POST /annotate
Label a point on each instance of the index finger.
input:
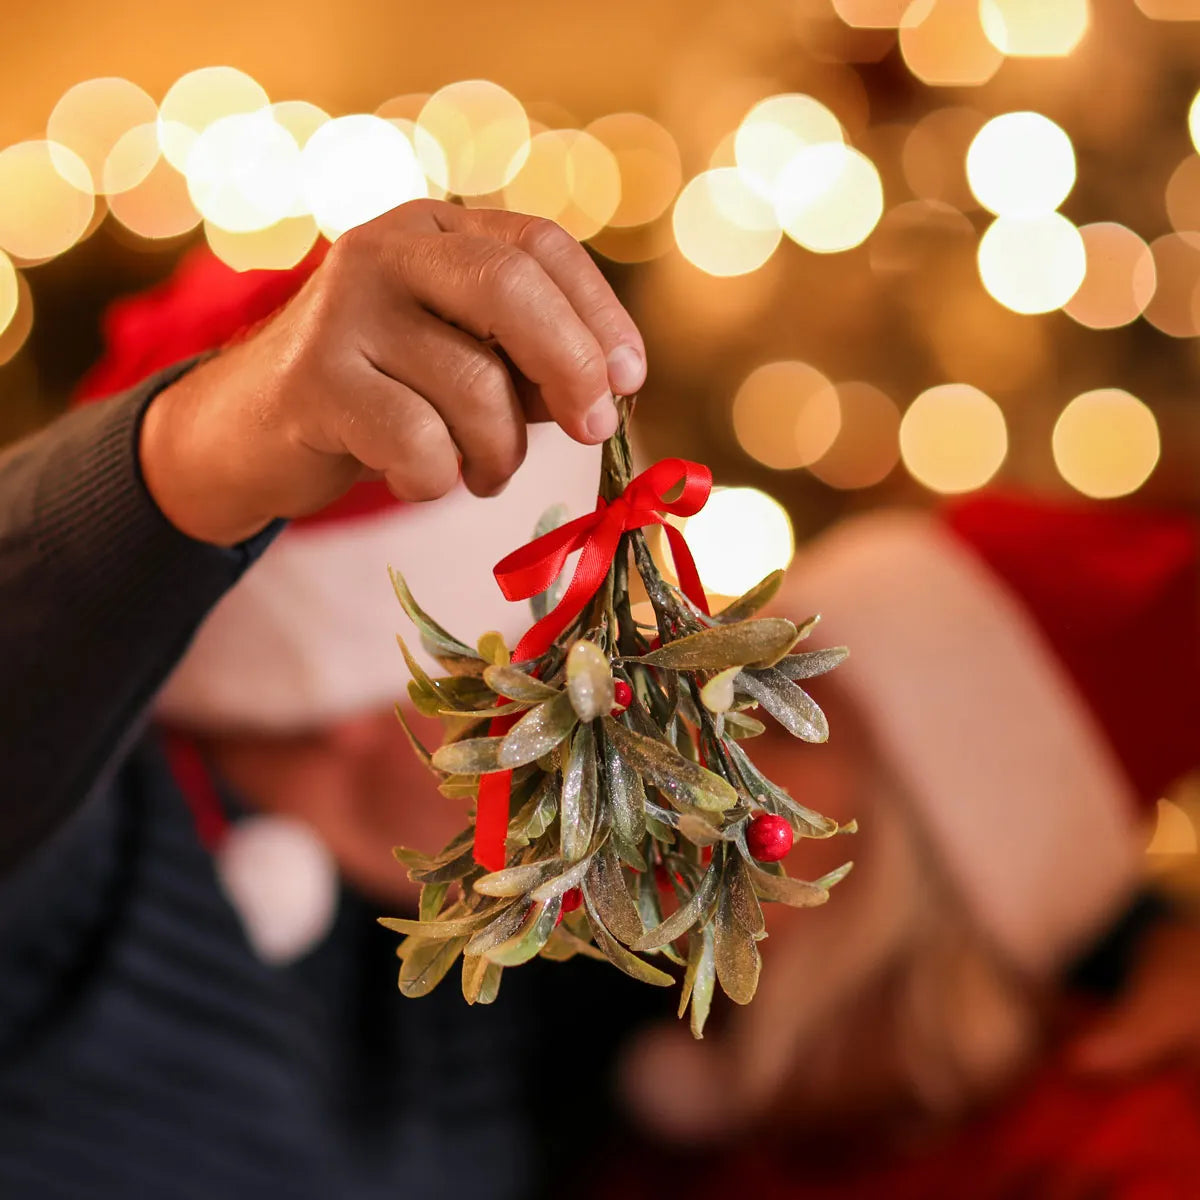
(572, 270)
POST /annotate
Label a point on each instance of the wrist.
(191, 465)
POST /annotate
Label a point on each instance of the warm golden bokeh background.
(836, 272)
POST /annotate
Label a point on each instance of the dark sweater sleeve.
(99, 597)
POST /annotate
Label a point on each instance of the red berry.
(769, 838)
(623, 695)
(572, 899)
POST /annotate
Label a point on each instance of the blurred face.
(875, 1011)
(357, 782)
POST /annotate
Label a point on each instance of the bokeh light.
(944, 45)
(648, 162)
(1183, 195)
(1174, 832)
(20, 324)
(243, 172)
(953, 438)
(739, 536)
(483, 132)
(830, 198)
(158, 205)
(1120, 277)
(1194, 120)
(935, 155)
(871, 14)
(1032, 265)
(774, 131)
(196, 100)
(1021, 164)
(867, 445)
(1034, 28)
(1174, 307)
(786, 415)
(133, 156)
(570, 177)
(9, 291)
(722, 226)
(1106, 443)
(356, 168)
(300, 118)
(275, 248)
(92, 117)
(46, 200)
(1170, 10)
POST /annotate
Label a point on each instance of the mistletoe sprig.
(640, 831)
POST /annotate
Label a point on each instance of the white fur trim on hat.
(1015, 784)
(308, 635)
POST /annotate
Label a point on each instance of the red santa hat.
(1028, 672)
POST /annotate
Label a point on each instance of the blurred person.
(192, 1002)
(1022, 683)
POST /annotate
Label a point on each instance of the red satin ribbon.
(535, 566)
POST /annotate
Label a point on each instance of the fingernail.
(626, 370)
(601, 419)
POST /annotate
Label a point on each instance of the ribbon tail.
(685, 568)
(491, 819)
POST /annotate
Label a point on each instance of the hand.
(430, 334)
(1157, 1019)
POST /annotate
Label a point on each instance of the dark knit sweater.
(144, 1050)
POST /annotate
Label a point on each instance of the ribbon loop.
(532, 568)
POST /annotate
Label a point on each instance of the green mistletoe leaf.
(433, 637)
(425, 964)
(675, 776)
(735, 953)
(472, 756)
(589, 680)
(626, 796)
(531, 937)
(511, 919)
(517, 685)
(685, 916)
(604, 885)
(789, 704)
(619, 956)
(538, 731)
(480, 980)
(747, 604)
(761, 640)
(519, 880)
(811, 663)
(577, 807)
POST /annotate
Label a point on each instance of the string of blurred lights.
(265, 180)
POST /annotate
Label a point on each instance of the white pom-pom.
(282, 882)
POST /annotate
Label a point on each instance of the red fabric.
(1058, 1139)
(1116, 591)
(534, 567)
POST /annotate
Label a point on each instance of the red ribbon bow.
(535, 566)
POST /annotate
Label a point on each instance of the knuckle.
(483, 383)
(543, 237)
(506, 272)
(585, 362)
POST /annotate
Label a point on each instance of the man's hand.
(429, 335)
